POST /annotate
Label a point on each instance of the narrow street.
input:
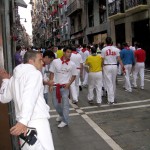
(122, 126)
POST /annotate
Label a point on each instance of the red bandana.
(83, 50)
(64, 61)
(74, 52)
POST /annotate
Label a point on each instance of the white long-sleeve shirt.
(25, 88)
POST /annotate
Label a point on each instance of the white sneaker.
(142, 87)
(62, 124)
(128, 90)
(58, 119)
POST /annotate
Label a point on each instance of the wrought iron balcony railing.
(74, 6)
(115, 7)
(134, 3)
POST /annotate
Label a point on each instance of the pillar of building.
(112, 31)
(128, 31)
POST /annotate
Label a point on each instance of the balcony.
(134, 6)
(73, 7)
(116, 9)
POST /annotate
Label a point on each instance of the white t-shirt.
(63, 72)
(77, 59)
(22, 53)
(84, 55)
(110, 54)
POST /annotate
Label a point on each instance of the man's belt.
(78, 68)
(58, 93)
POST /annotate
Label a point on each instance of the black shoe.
(80, 88)
(111, 103)
(91, 102)
(74, 102)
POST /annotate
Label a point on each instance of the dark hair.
(74, 48)
(84, 45)
(30, 55)
(18, 47)
(109, 40)
(59, 47)
(137, 45)
(96, 45)
(89, 47)
(93, 50)
(66, 48)
(124, 44)
(49, 53)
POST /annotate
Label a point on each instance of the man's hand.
(4, 74)
(67, 86)
(124, 70)
(50, 82)
(18, 129)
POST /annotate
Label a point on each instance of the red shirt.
(140, 55)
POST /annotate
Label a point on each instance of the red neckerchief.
(127, 48)
(74, 52)
(44, 65)
(109, 44)
(64, 61)
(58, 93)
(83, 50)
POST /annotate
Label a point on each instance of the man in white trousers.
(63, 72)
(25, 88)
(127, 56)
(84, 54)
(140, 57)
(74, 87)
(110, 55)
(94, 62)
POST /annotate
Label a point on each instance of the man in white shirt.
(84, 54)
(63, 72)
(74, 88)
(25, 88)
(110, 55)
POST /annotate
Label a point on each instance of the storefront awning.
(21, 3)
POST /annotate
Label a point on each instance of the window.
(79, 23)
(90, 14)
(102, 11)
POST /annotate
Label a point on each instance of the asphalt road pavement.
(125, 125)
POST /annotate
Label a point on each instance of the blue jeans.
(46, 97)
(63, 107)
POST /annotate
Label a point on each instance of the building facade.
(130, 22)
(97, 23)
(77, 13)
